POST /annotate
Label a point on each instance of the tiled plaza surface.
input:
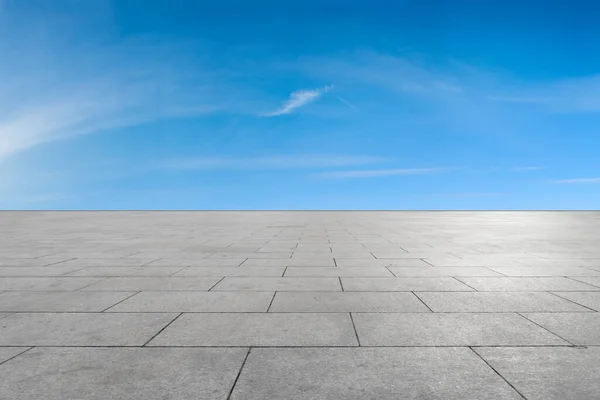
(299, 305)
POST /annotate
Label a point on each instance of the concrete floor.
(299, 305)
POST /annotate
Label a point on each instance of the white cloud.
(578, 180)
(298, 99)
(269, 162)
(380, 172)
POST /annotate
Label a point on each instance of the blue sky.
(426, 104)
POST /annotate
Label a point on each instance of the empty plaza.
(299, 305)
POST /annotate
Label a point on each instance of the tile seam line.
(237, 377)
(574, 302)
(355, 331)
(17, 355)
(497, 373)
(161, 330)
(116, 304)
(543, 327)
(421, 300)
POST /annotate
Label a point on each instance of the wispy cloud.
(298, 99)
(299, 161)
(380, 172)
(578, 180)
(346, 102)
(531, 168)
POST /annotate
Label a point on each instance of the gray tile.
(287, 262)
(135, 284)
(588, 299)
(52, 270)
(577, 328)
(545, 271)
(28, 262)
(346, 302)
(339, 271)
(106, 262)
(97, 374)
(552, 373)
(359, 373)
(442, 284)
(231, 271)
(80, 329)
(60, 301)
(526, 284)
(259, 329)
(45, 283)
(195, 302)
(386, 329)
(126, 271)
(373, 262)
(497, 302)
(278, 284)
(202, 262)
(412, 272)
(6, 353)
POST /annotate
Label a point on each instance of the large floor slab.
(347, 302)
(259, 329)
(81, 329)
(121, 373)
(387, 329)
(497, 302)
(548, 373)
(386, 374)
(60, 301)
(195, 302)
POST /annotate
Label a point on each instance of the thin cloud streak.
(578, 180)
(380, 172)
(298, 99)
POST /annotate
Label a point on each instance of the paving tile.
(278, 284)
(402, 262)
(195, 302)
(231, 271)
(45, 283)
(497, 302)
(588, 299)
(346, 302)
(52, 270)
(28, 262)
(97, 374)
(135, 284)
(408, 272)
(374, 373)
(256, 329)
(339, 271)
(551, 373)
(60, 301)
(202, 262)
(286, 262)
(126, 271)
(526, 284)
(81, 329)
(577, 328)
(387, 329)
(442, 284)
(545, 271)
(106, 262)
(6, 353)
